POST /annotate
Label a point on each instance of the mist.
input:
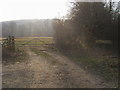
(28, 28)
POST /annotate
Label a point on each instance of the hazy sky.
(32, 9)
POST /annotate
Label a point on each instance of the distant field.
(2, 38)
(33, 41)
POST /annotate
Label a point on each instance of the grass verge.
(104, 66)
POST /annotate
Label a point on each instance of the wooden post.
(9, 43)
(13, 43)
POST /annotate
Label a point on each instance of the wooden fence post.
(9, 43)
(13, 43)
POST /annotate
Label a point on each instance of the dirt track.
(55, 72)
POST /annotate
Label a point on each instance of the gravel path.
(55, 72)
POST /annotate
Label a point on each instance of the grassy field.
(33, 41)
